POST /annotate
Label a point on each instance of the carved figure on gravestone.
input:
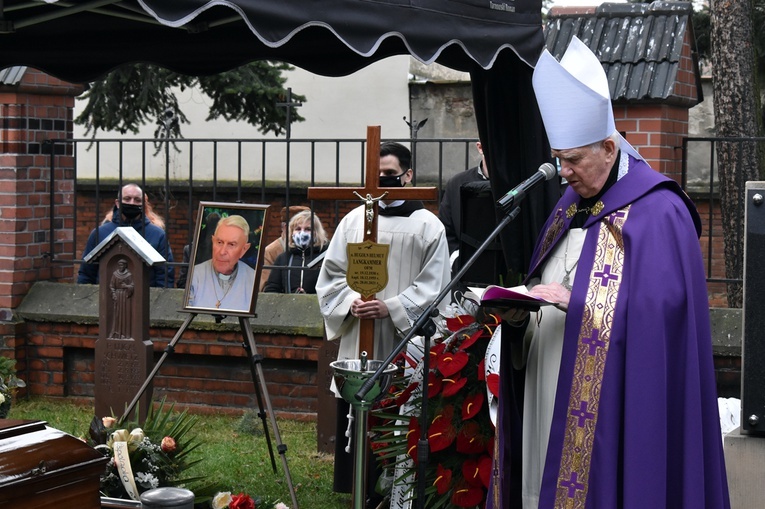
(224, 281)
(418, 265)
(132, 208)
(122, 288)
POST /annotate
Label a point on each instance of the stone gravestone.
(123, 352)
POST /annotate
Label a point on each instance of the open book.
(508, 298)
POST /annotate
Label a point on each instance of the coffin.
(42, 467)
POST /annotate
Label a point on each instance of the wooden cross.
(371, 194)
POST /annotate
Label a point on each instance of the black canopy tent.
(497, 41)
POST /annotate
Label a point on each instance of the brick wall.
(208, 372)
(656, 131)
(37, 109)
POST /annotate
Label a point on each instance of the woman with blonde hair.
(297, 269)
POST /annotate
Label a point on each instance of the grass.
(234, 452)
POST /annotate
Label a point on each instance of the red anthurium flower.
(465, 495)
(477, 471)
(491, 321)
(470, 440)
(450, 363)
(492, 382)
(403, 396)
(404, 358)
(441, 433)
(470, 472)
(484, 470)
(459, 322)
(453, 385)
(468, 342)
(471, 405)
(389, 399)
(412, 437)
(443, 479)
(435, 383)
(437, 350)
(482, 370)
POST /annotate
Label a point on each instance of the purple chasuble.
(636, 421)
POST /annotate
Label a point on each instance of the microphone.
(518, 193)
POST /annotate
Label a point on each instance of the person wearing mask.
(224, 282)
(620, 404)
(307, 243)
(277, 246)
(418, 270)
(132, 209)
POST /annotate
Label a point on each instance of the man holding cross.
(417, 270)
(418, 265)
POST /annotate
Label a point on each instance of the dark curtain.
(515, 145)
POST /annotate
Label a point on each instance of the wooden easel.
(261, 391)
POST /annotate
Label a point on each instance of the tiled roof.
(648, 50)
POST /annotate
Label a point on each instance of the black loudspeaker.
(477, 221)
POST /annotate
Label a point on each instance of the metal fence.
(182, 170)
(701, 171)
(255, 167)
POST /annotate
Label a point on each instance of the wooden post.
(371, 193)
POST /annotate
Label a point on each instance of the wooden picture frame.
(224, 274)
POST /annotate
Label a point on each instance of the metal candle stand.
(349, 376)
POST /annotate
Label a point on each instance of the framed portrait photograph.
(226, 259)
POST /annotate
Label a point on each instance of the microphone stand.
(425, 327)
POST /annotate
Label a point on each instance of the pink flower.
(168, 445)
(108, 422)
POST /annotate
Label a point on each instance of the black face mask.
(130, 211)
(391, 180)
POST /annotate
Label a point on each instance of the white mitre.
(574, 99)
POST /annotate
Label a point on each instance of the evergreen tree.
(737, 114)
(134, 95)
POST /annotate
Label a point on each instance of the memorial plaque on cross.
(366, 258)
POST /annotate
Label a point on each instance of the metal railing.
(701, 174)
(253, 168)
(180, 170)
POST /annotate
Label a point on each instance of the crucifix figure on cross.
(376, 283)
